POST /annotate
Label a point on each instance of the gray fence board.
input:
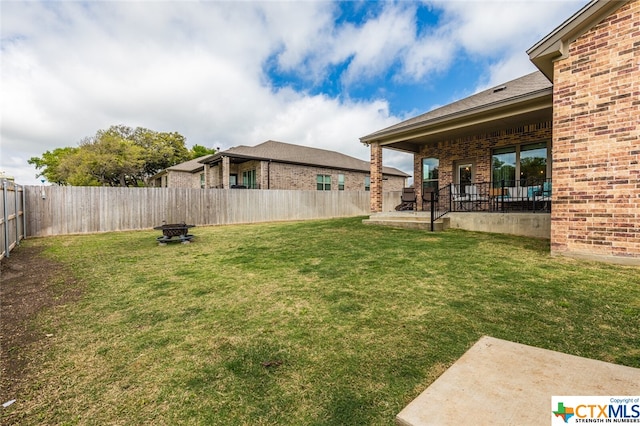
(12, 219)
(59, 210)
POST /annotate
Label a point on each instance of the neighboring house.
(189, 174)
(570, 133)
(278, 165)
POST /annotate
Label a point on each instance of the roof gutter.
(528, 102)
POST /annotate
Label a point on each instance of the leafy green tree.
(117, 156)
(201, 151)
(49, 163)
(161, 150)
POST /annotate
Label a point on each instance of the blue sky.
(223, 74)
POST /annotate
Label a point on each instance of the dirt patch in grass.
(29, 284)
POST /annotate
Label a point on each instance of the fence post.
(6, 218)
(15, 190)
(24, 213)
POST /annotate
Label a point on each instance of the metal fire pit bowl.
(170, 230)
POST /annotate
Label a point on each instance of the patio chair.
(542, 197)
(458, 198)
(476, 198)
(408, 200)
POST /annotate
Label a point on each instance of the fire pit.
(170, 230)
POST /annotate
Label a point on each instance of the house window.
(249, 179)
(341, 182)
(526, 163)
(367, 183)
(324, 182)
(430, 168)
(202, 180)
(533, 164)
(233, 179)
(503, 165)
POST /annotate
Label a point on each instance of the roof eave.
(530, 101)
(555, 45)
(297, 163)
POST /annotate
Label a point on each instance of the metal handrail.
(435, 200)
(503, 196)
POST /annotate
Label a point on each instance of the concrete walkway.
(497, 382)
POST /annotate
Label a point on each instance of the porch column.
(225, 172)
(376, 178)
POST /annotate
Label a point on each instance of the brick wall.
(176, 179)
(596, 141)
(476, 149)
(376, 175)
(297, 177)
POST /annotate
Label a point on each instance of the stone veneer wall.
(477, 149)
(596, 142)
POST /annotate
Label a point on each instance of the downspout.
(269, 174)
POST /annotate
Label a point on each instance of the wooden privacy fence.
(12, 221)
(58, 210)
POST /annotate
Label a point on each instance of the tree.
(201, 151)
(161, 150)
(50, 164)
(117, 156)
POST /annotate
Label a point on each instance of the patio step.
(407, 220)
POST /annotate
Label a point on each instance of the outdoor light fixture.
(43, 194)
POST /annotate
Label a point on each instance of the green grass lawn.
(312, 323)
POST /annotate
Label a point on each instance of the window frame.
(429, 181)
(249, 179)
(323, 182)
(518, 178)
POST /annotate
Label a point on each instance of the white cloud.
(376, 45)
(502, 31)
(198, 68)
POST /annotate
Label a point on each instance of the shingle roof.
(495, 96)
(298, 154)
(189, 166)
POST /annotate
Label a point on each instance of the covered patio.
(490, 152)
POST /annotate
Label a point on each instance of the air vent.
(499, 89)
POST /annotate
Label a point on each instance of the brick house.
(567, 136)
(278, 165)
(189, 174)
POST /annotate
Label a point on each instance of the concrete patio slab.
(497, 382)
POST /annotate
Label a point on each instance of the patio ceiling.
(479, 124)
(524, 101)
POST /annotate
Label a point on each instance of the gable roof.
(190, 166)
(555, 45)
(530, 95)
(298, 154)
